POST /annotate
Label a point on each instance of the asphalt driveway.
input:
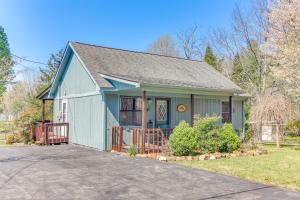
(72, 172)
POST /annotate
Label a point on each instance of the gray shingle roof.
(151, 69)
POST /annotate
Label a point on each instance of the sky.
(37, 28)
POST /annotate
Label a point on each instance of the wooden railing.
(57, 133)
(51, 133)
(117, 138)
(38, 133)
(151, 140)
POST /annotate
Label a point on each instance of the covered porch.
(145, 117)
(45, 131)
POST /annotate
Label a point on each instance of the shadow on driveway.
(73, 172)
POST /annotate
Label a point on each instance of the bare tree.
(164, 45)
(268, 108)
(282, 43)
(190, 43)
(244, 39)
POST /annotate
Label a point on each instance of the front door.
(64, 117)
(162, 115)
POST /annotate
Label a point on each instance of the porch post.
(144, 120)
(144, 111)
(230, 109)
(43, 110)
(192, 109)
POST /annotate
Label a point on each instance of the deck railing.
(56, 133)
(51, 133)
(150, 140)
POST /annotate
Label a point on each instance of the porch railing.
(150, 140)
(51, 133)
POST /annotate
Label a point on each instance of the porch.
(149, 140)
(145, 119)
(45, 132)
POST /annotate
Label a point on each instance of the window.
(131, 111)
(225, 112)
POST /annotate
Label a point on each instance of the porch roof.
(151, 69)
(44, 95)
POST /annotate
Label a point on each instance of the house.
(97, 88)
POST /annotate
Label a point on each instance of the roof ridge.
(133, 51)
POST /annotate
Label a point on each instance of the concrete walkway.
(72, 172)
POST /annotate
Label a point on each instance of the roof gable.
(69, 52)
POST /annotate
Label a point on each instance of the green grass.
(281, 167)
(5, 126)
(2, 140)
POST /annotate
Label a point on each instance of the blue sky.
(36, 28)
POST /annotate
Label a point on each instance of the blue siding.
(207, 106)
(76, 80)
(112, 115)
(176, 116)
(84, 105)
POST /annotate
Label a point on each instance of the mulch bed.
(208, 156)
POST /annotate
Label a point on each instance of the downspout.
(243, 119)
(230, 109)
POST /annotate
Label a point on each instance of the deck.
(51, 133)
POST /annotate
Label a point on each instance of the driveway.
(72, 172)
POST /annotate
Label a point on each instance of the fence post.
(143, 140)
(46, 134)
(120, 139)
(68, 133)
(134, 136)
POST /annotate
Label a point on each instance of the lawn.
(2, 140)
(281, 167)
(5, 127)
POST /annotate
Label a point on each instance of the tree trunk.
(277, 136)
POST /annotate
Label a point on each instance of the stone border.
(210, 156)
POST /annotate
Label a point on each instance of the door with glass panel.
(162, 113)
(64, 112)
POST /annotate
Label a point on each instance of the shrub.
(26, 136)
(207, 130)
(229, 141)
(183, 141)
(10, 138)
(293, 127)
(30, 142)
(18, 138)
(132, 151)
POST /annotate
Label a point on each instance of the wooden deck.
(51, 133)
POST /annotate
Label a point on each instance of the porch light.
(149, 103)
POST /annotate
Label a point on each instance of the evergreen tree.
(211, 59)
(245, 71)
(6, 63)
(237, 70)
(48, 73)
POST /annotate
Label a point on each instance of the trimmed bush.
(207, 131)
(183, 141)
(229, 141)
